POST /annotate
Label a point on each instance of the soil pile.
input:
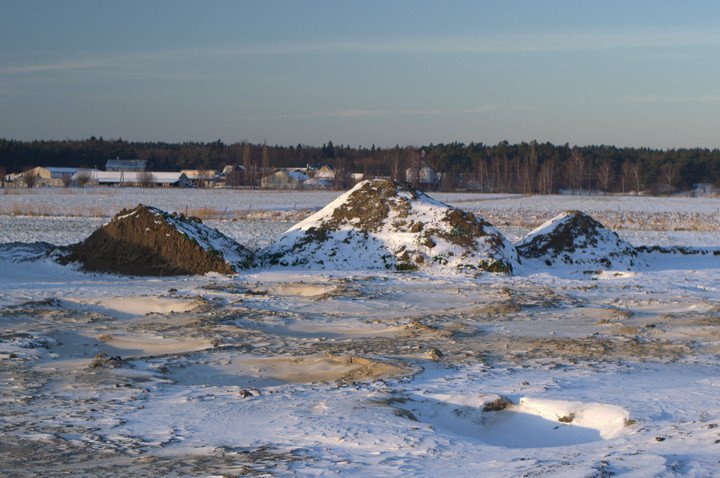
(149, 242)
(576, 238)
(383, 224)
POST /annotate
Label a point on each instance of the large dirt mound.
(574, 238)
(150, 242)
(382, 224)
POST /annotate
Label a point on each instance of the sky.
(383, 72)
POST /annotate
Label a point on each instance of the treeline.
(525, 167)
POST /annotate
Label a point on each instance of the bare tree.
(626, 174)
(235, 178)
(249, 172)
(575, 170)
(524, 178)
(506, 173)
(146, 179)
(496, 168)
(481, 171)
(66, 179)
(394, 164)
(203, 178)
(604, 175)
(265, 164)
(29, 178)
(532, 170)
(668, 173)
(636, 175)
(3, 172)
(83, 177)
(546, 177)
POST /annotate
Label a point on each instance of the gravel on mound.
(149, 242)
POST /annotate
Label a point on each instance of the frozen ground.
(383, 374)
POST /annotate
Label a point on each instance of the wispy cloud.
(47, 67)
(359, 113)
(498, 43)
(491, 43)
(664, 98)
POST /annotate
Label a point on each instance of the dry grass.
(52, 210)
(615, 220)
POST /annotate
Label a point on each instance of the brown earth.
(140, 242)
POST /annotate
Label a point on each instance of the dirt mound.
(383, 224)
(149, 242)
(576, 238)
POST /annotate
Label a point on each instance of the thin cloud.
(660, 98)
(358, 113)
(518, 43)
(496, 43)
(40, 68)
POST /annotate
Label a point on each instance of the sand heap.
(150, 242)
(576, 238)
(382, 224)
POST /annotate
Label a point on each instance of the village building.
(284, 180)
(424, 177)
(125, 165)
(44, 176)
(201, 177)
(133, 178)
(325, 172)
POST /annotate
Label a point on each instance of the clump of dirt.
(574, 237)
(148, 242)
(372, 370)
(370, 205)
(106, 361)
(500, 403)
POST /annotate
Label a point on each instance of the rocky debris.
(146, 241)
(574, 238)
(500, 403)
(106, 361)
(383, 224)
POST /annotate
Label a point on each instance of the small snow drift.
(383, 224)
(532, 423)
(149, 242)
(576, 238)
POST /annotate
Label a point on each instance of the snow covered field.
(371, 374)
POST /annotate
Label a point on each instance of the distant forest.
(524, 168)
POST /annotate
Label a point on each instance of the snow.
(329, 372)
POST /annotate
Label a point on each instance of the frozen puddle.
(152, 345)
(531, 423)
(228, 369)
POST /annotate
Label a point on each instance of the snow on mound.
(148, 241)
(382, 224)
(576, 238)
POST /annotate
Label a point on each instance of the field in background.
(616, 212)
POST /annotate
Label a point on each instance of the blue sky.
(628, 73)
